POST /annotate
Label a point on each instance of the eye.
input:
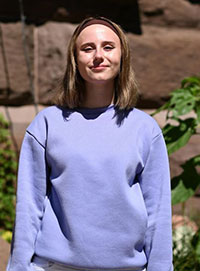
(87, 49)
(108, 47)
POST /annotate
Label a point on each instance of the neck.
(98, 95)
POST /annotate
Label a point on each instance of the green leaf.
(182, 102)
(182, 192)
(177, 136)
(197, 110)
(195, 160)
(8, 167)
(196, 244)
(185, 185)
(195, 91)
(3, 122)
(193, 80)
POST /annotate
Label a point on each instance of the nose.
(98, 57)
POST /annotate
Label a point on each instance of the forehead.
(96, 32)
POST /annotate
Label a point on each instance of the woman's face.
(98, 51)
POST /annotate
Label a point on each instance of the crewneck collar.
(96, 110)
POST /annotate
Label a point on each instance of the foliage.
(8, 167)
(186, 248)
(183, 122)
(6, 235)
(177, 132)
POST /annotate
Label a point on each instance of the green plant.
(183, 109)
(186, 249)
(183, 122)
(8, 168)
(6, 235)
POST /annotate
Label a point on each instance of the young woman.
(93, 181)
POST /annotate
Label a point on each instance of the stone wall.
(38, 12)
(161, 57)
(171, 13)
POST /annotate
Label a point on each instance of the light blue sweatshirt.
(93, 192)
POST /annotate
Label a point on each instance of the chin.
(100, 81)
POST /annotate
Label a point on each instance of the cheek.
(82, 68)
(117, 58)
(83, 58)
(80, 64)
(83, 62)
(117, 62)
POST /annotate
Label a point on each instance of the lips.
(100, 67)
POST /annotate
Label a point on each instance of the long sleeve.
(31, 191)
(155, 184)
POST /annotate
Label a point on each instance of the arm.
(31, 192)
(155, 184)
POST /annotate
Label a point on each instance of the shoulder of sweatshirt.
(38, 128)
(146, 123)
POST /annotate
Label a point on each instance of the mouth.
(99, 68)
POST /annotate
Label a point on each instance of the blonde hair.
(70, 90)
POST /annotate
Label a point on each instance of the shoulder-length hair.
(70, 89)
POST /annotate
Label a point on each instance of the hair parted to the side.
(70, 89)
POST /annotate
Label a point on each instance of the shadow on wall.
(124, 12)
